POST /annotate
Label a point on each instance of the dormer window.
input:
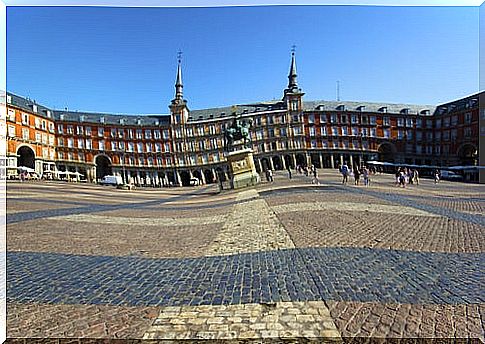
(361, 108)
(122, 121)
(34, 108)
(101, 119)
(341, 107)
(9, 99)
(61, 116)
(138, 121)
(81, 118)
(383, 109)
(405, 111)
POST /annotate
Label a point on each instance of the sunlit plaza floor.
(288, 259)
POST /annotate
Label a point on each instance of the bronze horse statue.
(237, 131)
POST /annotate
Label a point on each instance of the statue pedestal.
(243, 170)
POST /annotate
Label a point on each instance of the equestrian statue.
(237, 131)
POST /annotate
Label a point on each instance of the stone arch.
(103, 166)
(386, 152)
(265, 164)
(197, 174)
(221, 174)
(288, 161)
(300, 159)
(278, 165)
(26, 156)
(209, 177)
(185, 177)
(468, 154)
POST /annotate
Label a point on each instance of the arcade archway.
(386, 152)
(103, 166)
(468, 154)
(26, 157)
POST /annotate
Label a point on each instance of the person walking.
(345, 173)
(416, 177)
(315, 177)
(270, 175)
(365, 174)
(436, 176)
(356, 176)
(289, 173)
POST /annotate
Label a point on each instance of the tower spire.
(292, 83)
(178, 83)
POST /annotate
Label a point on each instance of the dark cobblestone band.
(341, 274)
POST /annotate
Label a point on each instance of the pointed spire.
(292, 83)
(178, 83)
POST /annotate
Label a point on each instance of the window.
(323, 130)
(372, 132)
(311, 118)
(158, 147)
(70, 130)
(294, 105)
(438, 123)
(37, 123)
(437, 136)
(166, 134)
(283, 119)
(419, 123)
(113, 132)
(364, 119)
(400, 134)
(25, 118)
(60, 129)
(148, 147)
(355, 131)
(354, 119)
(80, 143)
(148, 134)
(387, 133)
(334, 131)
(419, 135)
(70, 142)
(283, 132)
(386, 121)
(259, 135)
(333, 118)
(323, 118)
(60, 142)
(409, 122)
(297, 130)
(364, 132)
(89, 144)
(343, 119)
(70, 156)
(79, 130)
(167, 147)
(101, 132)
(269, 119)
(410, 134)
(467, 132)
(11, 115)
(44, 138)
(139, 134)
(400, 122)
(131, 147)
(345, 131)
(101, 145)
(11, 130)
(468, 117)
(139, 147)
(429, 123)
(454, 120)
(130, 133)
(38, 137)
(312, 131)
(454, 133)
(156, 134)
(372, 120)
(429, 136)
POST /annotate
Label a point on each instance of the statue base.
(243, 170)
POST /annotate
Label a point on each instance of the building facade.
(159, 150)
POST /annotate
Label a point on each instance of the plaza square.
(288, 259)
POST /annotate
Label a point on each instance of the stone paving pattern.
(275, 320)
(359, 251)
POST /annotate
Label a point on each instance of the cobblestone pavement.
(284, 260)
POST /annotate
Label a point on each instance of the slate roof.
(125, 119)
(367, 107)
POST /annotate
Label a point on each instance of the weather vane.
(293, 49)
(179, 55)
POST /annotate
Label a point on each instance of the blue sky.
(124, 59)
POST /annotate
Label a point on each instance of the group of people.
(357, 172)
(406, 176)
